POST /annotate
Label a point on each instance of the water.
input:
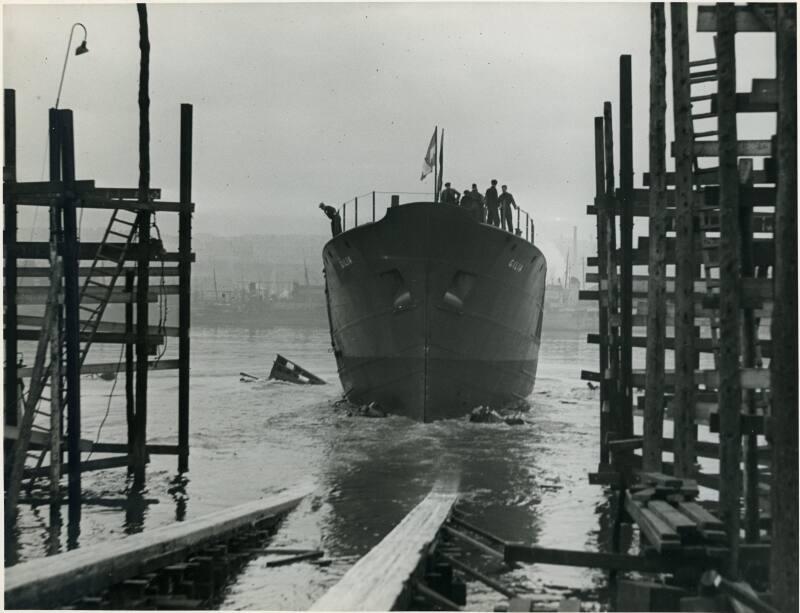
(524, 483)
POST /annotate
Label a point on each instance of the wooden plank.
(700, 516)
(113, 338)
(98, 202)
(745, 20)
(38, 295)
(674, 519)
(88, 250)
(709, 176)
(57, 580)
(711, 148)
(103, 326)
(110, 367)
(533, 554)
(48, 188)
(752, 378)
(655, 530)
(156, 270)
(379, 579)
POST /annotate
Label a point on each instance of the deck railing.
(365, 208)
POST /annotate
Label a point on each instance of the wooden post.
(749, 349)
(626, 242)
(730, 392)
(683, 415)
(184, 281)
(56, 362)
(344, 217)
(783, 365)
(143, 264)
(373, 205)
(10, 253)
(652, 429)
(602, 276)
(609, 202)
(72, 313)
(130, 407)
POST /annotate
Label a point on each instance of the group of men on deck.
(492, 208)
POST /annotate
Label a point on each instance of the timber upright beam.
(730, 393)
(684, 427)
(184, 281)
(599, 175)
(626, 243)
(652, 428)
(611, 376)
(783, 366)
(143, 265)
(10, 253)
(71, 312)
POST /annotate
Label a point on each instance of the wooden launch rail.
(381, 580)
(59, 580)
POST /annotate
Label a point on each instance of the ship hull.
(432, 313)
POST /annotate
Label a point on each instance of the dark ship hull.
(432, 313)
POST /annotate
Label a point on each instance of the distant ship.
(302, 305)
(433, 313)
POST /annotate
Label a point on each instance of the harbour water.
(524, 483)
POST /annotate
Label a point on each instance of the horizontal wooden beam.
(710, 176)
(58, 580)
(109, 367)
(746, 20)
(88, 251)
(532, 554)
(751, 378)
(156, 270)
(83, 188)
(378, 581)
(710, 148)
(94, 202)
(38, 295)
(103, 326)
(98, 338)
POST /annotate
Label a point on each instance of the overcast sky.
(299, 103)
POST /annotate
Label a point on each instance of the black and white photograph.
(414, 306)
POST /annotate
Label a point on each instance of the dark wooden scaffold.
(43, 399)
(714, 282)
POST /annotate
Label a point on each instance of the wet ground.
(525, 483)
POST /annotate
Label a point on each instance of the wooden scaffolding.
(714, 283)
(43, 400)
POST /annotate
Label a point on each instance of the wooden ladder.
(48, 383)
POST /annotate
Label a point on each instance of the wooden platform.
(58, 580)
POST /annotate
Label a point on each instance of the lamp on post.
(80, 50)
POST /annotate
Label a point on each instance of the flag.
(429, 162)
(441, 165)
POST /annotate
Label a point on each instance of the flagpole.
(435, 164)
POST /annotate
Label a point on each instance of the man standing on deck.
(506, 202)
(449, 195)
(479, 205)
(491, 204)
(333, 215)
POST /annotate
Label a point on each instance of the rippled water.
(524, 483)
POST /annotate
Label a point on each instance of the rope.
(163, 302)
(108, 406)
